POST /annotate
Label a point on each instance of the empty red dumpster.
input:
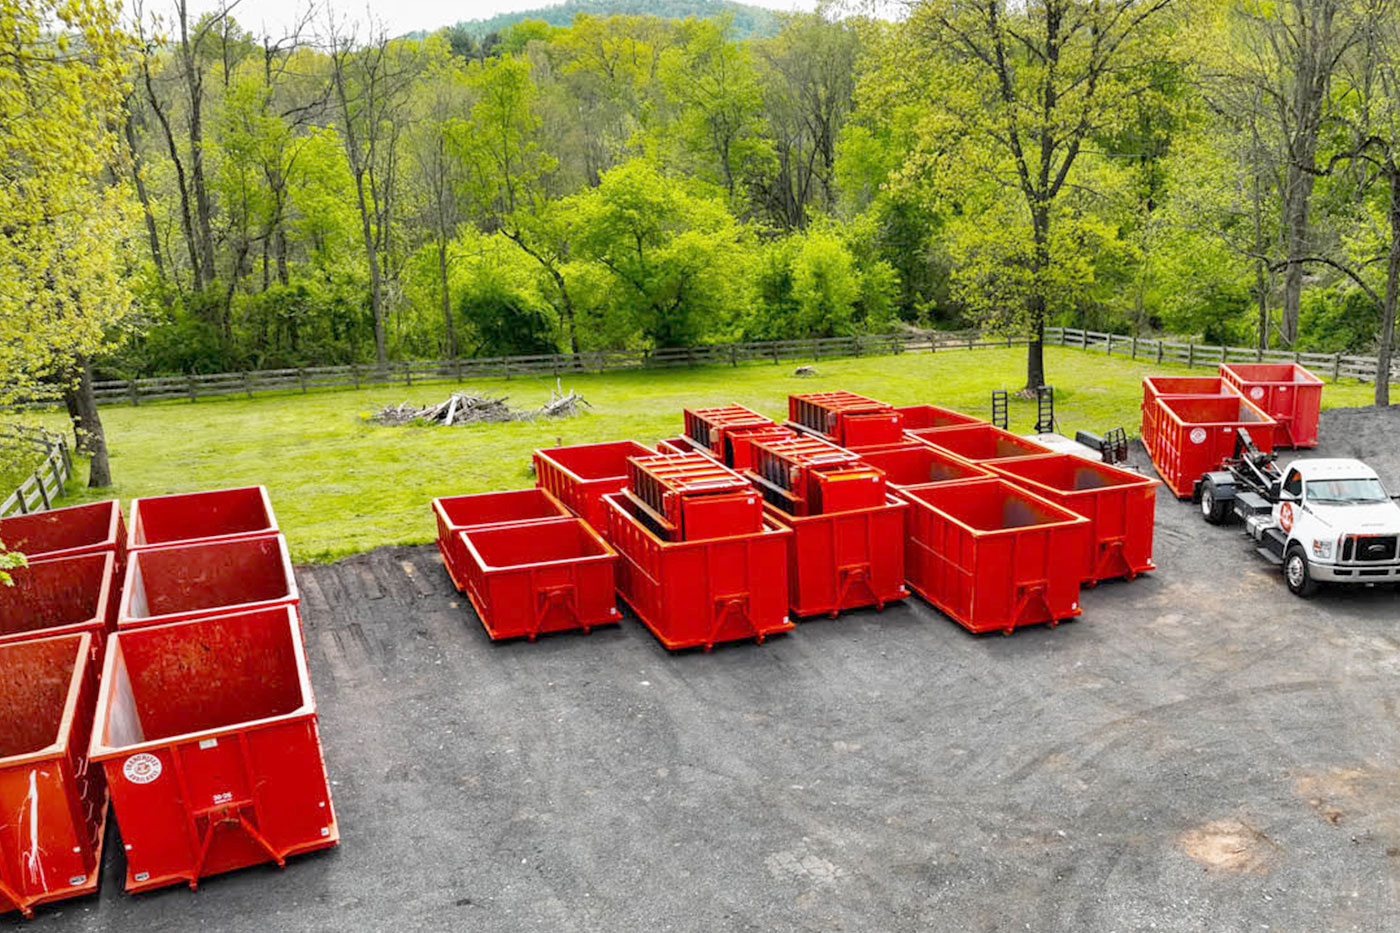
(513, 507)
(699, 593)
(53, 808)
(580, 476)
(1286, 392)
(844, 560)
(934, 417)
(846, 418)
(1155, 387)
(201, 517)
(981, 443)
(920, 464)
(68, 532)
(529, 579)
(172, 584)
(67, 596)
(1119, 505)
(1195, 434)
(993, 556)
(207, 733)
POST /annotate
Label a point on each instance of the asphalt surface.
(1202, 751)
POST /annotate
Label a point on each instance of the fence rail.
(49, 481)
(409, 373)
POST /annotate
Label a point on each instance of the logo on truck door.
(1285, 516)
(141, 769)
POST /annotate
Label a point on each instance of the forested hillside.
(746, 21)
(1223, 169)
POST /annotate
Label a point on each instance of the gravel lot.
(1201, 751)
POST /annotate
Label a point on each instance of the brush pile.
(465, 408)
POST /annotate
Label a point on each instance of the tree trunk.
(1035, 305)
(1260, 273)
(152, 235)
(88, 435)
(194, 86)
(450, 332)
(1392, 290)
(1296, 203)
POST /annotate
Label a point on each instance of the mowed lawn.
(341, 485)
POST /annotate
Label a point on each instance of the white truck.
(1321, 520)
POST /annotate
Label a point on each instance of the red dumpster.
(201, 517)
(1196, 435)
(207, 733)
(920, 464)
(172, 584)
(53, 808)
(686, 496)
(983, 443)
(806, 475)
(844, 560)
(516, 506)
(580, 476)
(1154, 387)
(683, 445)
(738, 443)
(699, 593)
(994, 556)
(1118, 503)
(846, 418)
(708, 426)
(526, 580)
(934, 417)
(1286, 392)
(68, 532)
(67, 596)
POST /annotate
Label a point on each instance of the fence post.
(43, 493)
(301, 374)
(970, 339)
(816, 349)
(248, 383)
(1159, 351)
(1191, 354)
(1110, 344)
(1134, 349)
(132, 391)
(1222, 353)
(58, 476)
(1337, 366)
(733, 355)
(190, 382)
(1258, 354)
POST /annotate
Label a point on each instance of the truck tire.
(1297, 573)
(1213, 509)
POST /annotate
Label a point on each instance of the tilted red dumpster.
(846, 418)
(526, 580)
(934, 417)
(172, 584)
(709, 426)
(207, 733)
(580, 476)
(201, 517)
(993, 556)
(682, 497)
(982, 443)
(68, 532)
(700, 593)
(844, 560)
(66, 596)
(1197, 434)
(516, 506)
(53, 807)
(920, 464)
(1286, 392)
(1119, 504)
(1155, 387)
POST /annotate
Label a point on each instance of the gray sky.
(276, 16)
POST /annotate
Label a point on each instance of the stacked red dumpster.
(683, 497)
(847, 419)
(1286, 392)
(728, 432)
(1155, 387)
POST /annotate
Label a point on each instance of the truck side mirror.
(1285, 496)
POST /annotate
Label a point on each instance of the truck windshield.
(1347, 491)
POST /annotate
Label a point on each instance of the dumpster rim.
(81, 659)
(113, 540)
(608, 555)
(1311, 377)
(1266, 420)
(127, 623)
(98, 750)
(769, 529)
(98, 621)
(1073, 517)
(788, 520)
(546, 451)
(440, 513)
(1136, 480)
(132, 524)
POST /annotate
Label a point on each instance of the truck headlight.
(1323, 549)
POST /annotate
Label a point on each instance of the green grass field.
(341, 485)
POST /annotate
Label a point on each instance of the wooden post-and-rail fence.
(49, 481)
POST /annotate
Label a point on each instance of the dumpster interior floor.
(1200, 752)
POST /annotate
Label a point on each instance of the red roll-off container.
(920, 465)
(66, 596)
(580, 476)
(993, 556)
(1197, 434)
(1119, 504)
(207, 733)
(686, 496)
(844, 560)
(1155, 387)
(683, 445)
(1286, 392)
(847, 419)
(530, 579)
(983, 443)
(738, 444)
(708, 426)
(173, 584)
(68, 532)
(201, 517)
(700, 593)
(514, 507)
(53, 806)
(934, 417)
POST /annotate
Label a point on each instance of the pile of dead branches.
(465, 408)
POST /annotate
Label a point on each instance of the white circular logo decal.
(1198, 435)
(142, 768)
(1256, 392)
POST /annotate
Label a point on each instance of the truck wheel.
(1298, 574)
(1212, 509)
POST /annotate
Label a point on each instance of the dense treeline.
(1219, 168)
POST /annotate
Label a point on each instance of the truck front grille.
(1368, 549)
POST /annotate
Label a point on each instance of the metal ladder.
(999, 409)
(1045, 410)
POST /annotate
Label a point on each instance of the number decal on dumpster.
(1256, 393)
(141, 769)
(1198, 435)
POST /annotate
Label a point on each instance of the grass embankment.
(342, 486)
